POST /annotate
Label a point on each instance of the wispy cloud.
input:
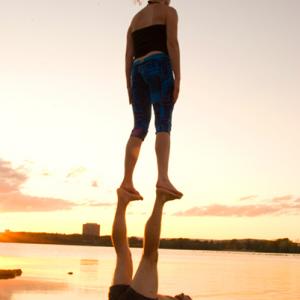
(282, 198)
(248, 197)
(10, 179)
(100, 204)
(218, 210)
(94, 184)
(45, 173)
(18, 202)
(275, 206)
(13, 200)
(76, 172)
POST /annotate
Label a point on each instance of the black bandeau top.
(149, 38)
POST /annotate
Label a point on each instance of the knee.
(164, 125)
(151, 257)
(139, 133)
(141, 125)
(163, 117)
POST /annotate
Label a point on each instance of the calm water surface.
(202, 274)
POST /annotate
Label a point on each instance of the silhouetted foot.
(130, 189)
(126, 196)
(166, 195)
(167, 187)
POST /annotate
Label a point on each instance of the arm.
(172, 41)
(128, 61)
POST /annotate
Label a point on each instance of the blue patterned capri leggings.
(152, 84)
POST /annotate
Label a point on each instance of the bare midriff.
(148, 54)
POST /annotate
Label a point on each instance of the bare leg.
(162, 147)
(124, 269)
(145, 281)
(132, 153)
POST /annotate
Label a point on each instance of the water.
(201, 274)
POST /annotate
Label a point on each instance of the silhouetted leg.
(123, 271)
(162, 148)
(141, 106)
(145, 280)
(131, 156)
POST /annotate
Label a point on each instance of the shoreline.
(279, 246)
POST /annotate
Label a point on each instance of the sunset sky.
(65, 118)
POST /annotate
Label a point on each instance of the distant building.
(91, 229)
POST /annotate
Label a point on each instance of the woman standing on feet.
(152, 55)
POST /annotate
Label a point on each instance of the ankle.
(122, 205)
(163, 179)
(126, 183)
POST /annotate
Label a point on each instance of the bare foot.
(131, 190)
(127, 196)
(166, 195)
(168, 187)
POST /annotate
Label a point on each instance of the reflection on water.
(9, 288)
(89, 262)
(89, 270)
(202, 274)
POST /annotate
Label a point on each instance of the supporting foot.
(127, 196)
(166, 195)
(167, 187)
(130, 189)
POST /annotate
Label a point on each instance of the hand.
(182, 296)
(176, 90)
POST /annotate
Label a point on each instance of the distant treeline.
(253, 245)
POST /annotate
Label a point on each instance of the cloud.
(13, 200)
(10, 179)
(282, 198)
(101, 204)
(138, 213)
(94, 184)
(45, 173)
(248, 197)
(218, 210)
(76, 172)
(97, 204)
(281, 205)
(18, 202)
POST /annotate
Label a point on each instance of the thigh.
(145, 281)
(123, 270)
(163, 116)
(141, 104)
(158, 75)
(161, 85)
